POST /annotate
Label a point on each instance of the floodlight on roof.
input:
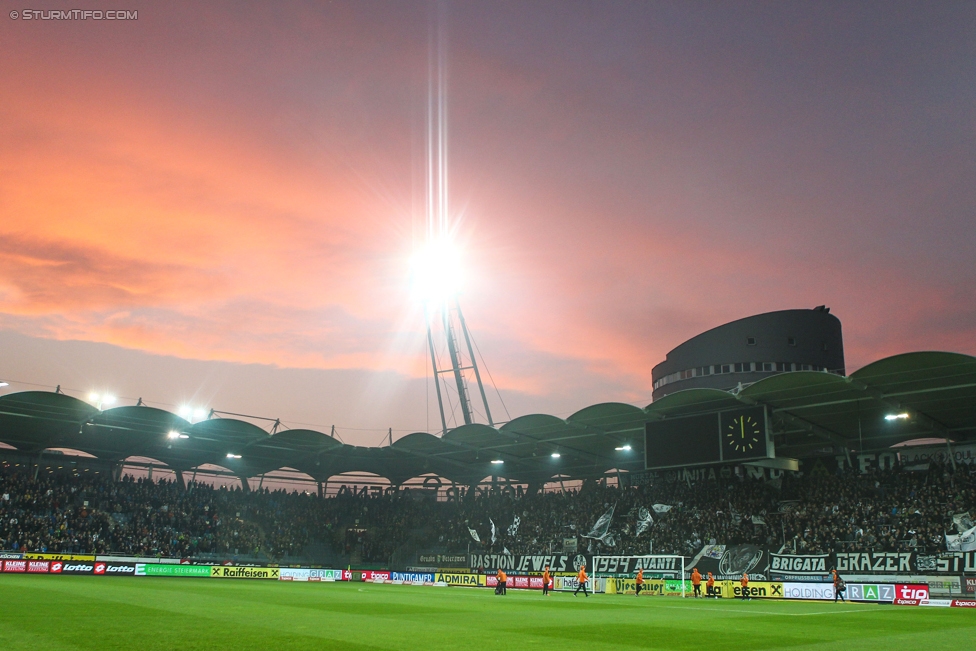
(173, 434)
(902, 416)
(199, 414)
(497, 461)
(623, 448)
(231, 455)
(4, 384)
(555, 455)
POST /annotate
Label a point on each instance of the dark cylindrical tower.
(747, 350)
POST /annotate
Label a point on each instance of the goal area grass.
(50, 612)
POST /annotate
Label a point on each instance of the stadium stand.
(890, 509)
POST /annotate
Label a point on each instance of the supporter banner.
(413, 577)
(800, 565)
(230, 572)
(875, 562)
(14, 566)
(470, 580)
(734, 562)
(59, 557)
(151, 569)
(443, 560)
(965, 453)
(10, 555)
(308, 574)
(511, 563)
(630, 564)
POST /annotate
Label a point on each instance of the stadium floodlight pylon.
(436, 269)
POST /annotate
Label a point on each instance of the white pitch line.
(769, 612)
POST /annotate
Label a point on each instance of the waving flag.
(474, 534)
(601, 528)
(644, 520)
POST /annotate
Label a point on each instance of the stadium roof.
(811, 412)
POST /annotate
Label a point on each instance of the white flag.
(662, 508)
(492, 531)
(964, 542)
(474, 534)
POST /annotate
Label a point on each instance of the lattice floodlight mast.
(451, 321)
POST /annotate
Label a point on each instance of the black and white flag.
(513, 528)
(601, 529)
(474, 534)
(644, 520)
(493, 538)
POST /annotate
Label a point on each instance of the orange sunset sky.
(215, 204)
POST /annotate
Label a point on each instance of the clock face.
(743, 434)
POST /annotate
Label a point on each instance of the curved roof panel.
(808, 411)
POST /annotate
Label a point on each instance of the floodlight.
(435, 271)
(555, 455)
(4, 384)
(497, 461)
(185, 412)
(231, 455)
(173, 434)
(623, 448)
(902, 416)
(199, 413)
(108, 400)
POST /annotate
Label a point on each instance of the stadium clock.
(743, 434)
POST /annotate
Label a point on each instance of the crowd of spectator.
(809, 512)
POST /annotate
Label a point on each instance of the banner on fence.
(454, 578)
(528, 563)
(158, 569)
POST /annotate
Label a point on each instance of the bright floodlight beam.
(901, 416)
(435, 272)
(623, 448)
(497, 461)
(555, 455)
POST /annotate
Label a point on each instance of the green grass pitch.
(47, 612)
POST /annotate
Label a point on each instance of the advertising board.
(153, 569)
(72, 567)
(38, 567)
(231, 572)
(453, 578)
(14, 566)
(412, 577)
(306, 574)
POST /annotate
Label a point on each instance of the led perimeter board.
(732, 436)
